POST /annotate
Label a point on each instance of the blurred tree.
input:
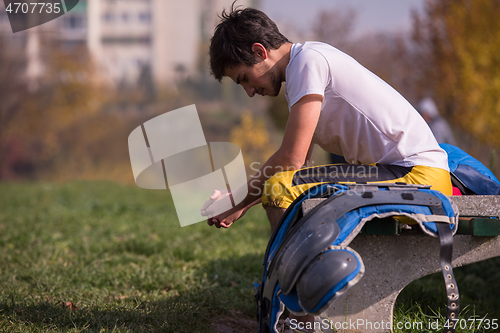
(278, 110)
(146, 84)
(391, 57)
(459, 42)
(13, 91)
(335, 27)
(69, 93)
(38, 132)
(252, 136)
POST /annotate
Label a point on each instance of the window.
(145, 17)
(74, 21)
(108, 17)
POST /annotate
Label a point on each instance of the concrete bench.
(395, 255)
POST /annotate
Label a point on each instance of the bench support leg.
(391, 263)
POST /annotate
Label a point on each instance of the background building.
(129, 37)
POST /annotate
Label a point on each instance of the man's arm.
(309, 161)
(292, 154)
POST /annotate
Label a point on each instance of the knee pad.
(311, 271)
(301, 248)
(324, 279)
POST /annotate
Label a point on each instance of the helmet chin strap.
(445, 257)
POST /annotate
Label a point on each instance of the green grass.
(424, 300)
(417, 320)
(119, 255)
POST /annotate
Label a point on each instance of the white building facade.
(127, 36)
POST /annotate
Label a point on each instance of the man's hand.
(216, 210)
(227, 219)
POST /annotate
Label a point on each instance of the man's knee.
(274, 215)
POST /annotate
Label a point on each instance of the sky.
(372, 15)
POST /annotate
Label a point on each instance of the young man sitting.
(334, 102)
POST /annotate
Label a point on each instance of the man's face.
(260, 79)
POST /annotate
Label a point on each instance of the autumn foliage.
(459, 42)
(253, 137)
(61, 129)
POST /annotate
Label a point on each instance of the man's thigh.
(284, 187)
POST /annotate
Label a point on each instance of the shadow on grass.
(174, 315)
(221, 301)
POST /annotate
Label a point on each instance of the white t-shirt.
(362, 117)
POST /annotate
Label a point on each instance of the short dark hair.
(231, 44)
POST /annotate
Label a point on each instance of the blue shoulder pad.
(470, 172)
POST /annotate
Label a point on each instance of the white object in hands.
(214, 206)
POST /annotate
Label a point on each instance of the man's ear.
(259, 51)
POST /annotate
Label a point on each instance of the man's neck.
(281, 56)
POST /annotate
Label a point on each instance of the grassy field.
(103, 257)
